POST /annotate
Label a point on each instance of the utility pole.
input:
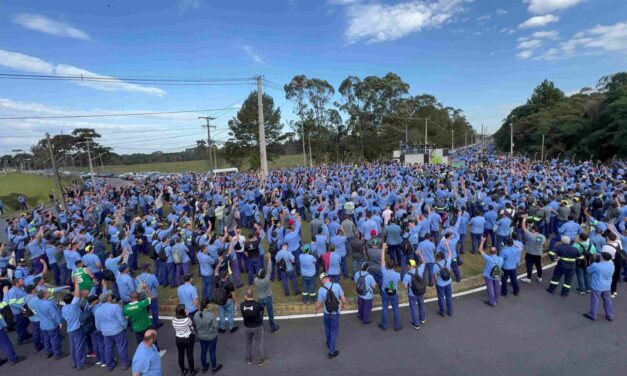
(302, 127)
(452, 138)
(91, 167)
(426, 126)
(406, 136)
(511, 138)
(466, 138)
(209, 143)
(57, 179)
(262, 131)
(542, 150)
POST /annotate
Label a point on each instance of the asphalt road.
(533, 334)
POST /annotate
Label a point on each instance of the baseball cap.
(323, 276)
(412, 263)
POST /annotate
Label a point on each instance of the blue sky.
(483, 56)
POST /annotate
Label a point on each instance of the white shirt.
(611, 250)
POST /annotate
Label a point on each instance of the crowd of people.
(94, 267)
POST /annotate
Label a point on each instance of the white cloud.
(376, 22)
(594, 41)
(538, 21)
(18, 61)
(507, 30)
(485, 17)
(46, 25)
(552, 34)
(185, 5)
(531, 44)
(523, 55)
(26, 63)
(548, 6)
(501, 12)
(253, 55)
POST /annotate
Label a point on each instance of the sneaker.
(540, 279)
(2, 361)
(422, 322)
(249, 361)
(263, 360)
(103, 365)
(588, 291)
(60, 356)
(417, 327)
(234, 329)
(489, 304)
(382, 327)
(441, 314)
(614, 295)
(92, 355)
(334, 354)
(580, 292)
(98, 363)
(86, 366)
(221, 330)
(274, 329)
(525, 280)
(398, 329)
(217, 369)
(162, 353)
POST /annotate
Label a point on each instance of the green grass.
(195, 166)
(34, 187)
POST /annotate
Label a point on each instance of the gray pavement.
(533, 334)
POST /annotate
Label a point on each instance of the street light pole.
(511, 138)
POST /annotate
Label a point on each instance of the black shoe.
(18, 360)
(489, 304)
(87, 365)
(61, 356)
(588, 316)
(221, 330)
(159, 325)
(204, 369)
(272, 330)
(398, 329)
(549, 290)
(249, 361)
(367, 322)
(217, 369)
(185, 372)
(126, 367)
(449, 313)
(48, 356)
(194, 372)
(2, 361)
(25, 341)
(234, 329)
(382, 327)
(441, 314)
(334, 354)
(263, 361)
(417, 327)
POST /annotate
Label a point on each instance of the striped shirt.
(182, 327)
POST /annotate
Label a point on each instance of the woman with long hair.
(184, 331)
(207, 329)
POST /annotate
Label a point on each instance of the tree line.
(591, 124)
(363, 119)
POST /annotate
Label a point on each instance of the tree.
(295, 92)
(244, 128)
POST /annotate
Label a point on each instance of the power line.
(114, 115)
(154, 139)
(105, 78)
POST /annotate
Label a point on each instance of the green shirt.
(84, 280)
(137, 312)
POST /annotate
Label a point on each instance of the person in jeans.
(587, 250)
(443, 286)
(389, 292)
(511, 257)
(111, 323)
(601, 283)
(364, 302)
(492, 260)
(207, 330)
(308, 274)
(252, 313)
(264, 292)
(534, 241)
(331, 319)
(184, 332)
(226, 310)
(284, 255)
(416, 302)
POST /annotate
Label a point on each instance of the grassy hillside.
(34, 187)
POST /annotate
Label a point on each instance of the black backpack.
(361, 286)
(330, 301)
(407, 247)
(445, 273)
(282, 265)
(220, 297)
(273, 249)
(87, 321)
(418, 286)
(496, 272)
(27, 312)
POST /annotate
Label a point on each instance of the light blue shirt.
(511, 257)
(49, 316)
(289, 258)
(407, 277)
(206, 263)
(71, 314)
(490, 262)
(370, 284)
(334, 264)
(187, 294)
(126, 286)
(436, 271)
(147, 361)
(307, 265)
(503, 226)
(109, 319)
(601, 275)
(390, 276)
(151, 282)
(477, 225)
(322, 295)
